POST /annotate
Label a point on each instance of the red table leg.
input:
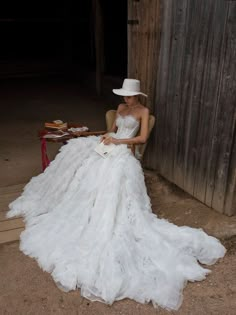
(45, 159)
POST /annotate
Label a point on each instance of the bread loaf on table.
(55, 126)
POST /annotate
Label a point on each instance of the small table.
(63, 139)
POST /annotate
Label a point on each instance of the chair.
(137, 149)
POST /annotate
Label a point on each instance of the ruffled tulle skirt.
(89, 223)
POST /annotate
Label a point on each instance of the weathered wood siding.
(193, 144)
(143, 45)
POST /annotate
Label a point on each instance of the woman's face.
(130, 100)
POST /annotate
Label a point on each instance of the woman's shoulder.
(121, 106)
(144, 110)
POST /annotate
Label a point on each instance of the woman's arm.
(142, 138)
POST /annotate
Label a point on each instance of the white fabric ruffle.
(89, 223)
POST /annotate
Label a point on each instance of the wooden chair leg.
(132, 148)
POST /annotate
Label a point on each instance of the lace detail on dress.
(128, 126)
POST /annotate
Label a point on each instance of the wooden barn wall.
(144, 45)
(193, 144)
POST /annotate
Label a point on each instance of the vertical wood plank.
(227, 97)
(162, 140)
(143, 36)
(230, 197)
(213, 59)
(179, 39)
(197, 11)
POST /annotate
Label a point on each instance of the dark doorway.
(115, 41)
(44, 38)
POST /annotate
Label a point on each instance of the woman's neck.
(131, 106)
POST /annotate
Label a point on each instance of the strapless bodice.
(128, 126)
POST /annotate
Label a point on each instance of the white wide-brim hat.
(130, 87)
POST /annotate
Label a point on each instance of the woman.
(89, 221)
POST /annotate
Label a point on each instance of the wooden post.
(67, 40)
(99, 44)
(144, 45)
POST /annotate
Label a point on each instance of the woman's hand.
(103, 137)
(109, 140)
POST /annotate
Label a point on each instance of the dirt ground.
(24, 287)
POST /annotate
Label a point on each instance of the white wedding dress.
(89, 223)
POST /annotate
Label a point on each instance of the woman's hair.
(140, 98)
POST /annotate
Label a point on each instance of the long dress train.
(89, 223)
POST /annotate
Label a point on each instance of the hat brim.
(123, 92)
